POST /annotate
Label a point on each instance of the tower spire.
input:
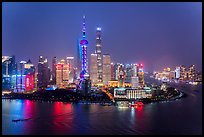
(84, 28)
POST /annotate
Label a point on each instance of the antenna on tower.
(84, 28)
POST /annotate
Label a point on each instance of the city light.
(99, 29)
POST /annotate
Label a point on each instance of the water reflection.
(177, 117)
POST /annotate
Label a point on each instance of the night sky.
(155, 34)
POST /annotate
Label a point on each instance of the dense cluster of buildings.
(180, 73)
(127, 79)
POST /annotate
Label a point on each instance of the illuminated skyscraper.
(99, 56)
(70, 62)
(29, 75)
(106, 68)
(9, 68)
(177, 71)
(191, 73)
(54, 64)
(128, 73)
(121, 76)
(140, 73)
(116, 70)
(43, 72)
(93, 69)
(62, 74)
(183, 74)
(112, 71)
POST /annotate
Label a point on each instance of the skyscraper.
(112, 71)
(43, 72)
(70, 62)
(183, 74)
(62, 74)
(116, 70)
(106, 68)
(99, 56)
(121, 76)
(93, 69)
(140, 73)
(191, 73)
(29, 75)
(128, 73)
(54, 65)
(9, 68)
(177, 71)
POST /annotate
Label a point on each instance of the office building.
(106, 68)
(9, 68)
(99, 55)
(62, 74)
(140, 73)
(121, 76)
(93, 69)
(53, 72)
(128, 73)
(112, 71)
(43, 72)
(70, 62)
(134, 81)
(177, 73)
(191, 73)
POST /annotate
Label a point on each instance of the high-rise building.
(93, 69)
(9, 68)
(140, 73)
(43, 72)
(53, 74)
(134, 70)
(62, 74)
(192, 73)
(70, 62)
(177, 71)
(183, 74)
(112, 71)
(29, 68)
(134, 82)
(29, 72)
(121, 76)
(116, 70)
(128, 73)
(99, 56)
(106, 68)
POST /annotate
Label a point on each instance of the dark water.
(182, 116)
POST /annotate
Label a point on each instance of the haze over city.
(155, 34)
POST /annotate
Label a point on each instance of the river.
(183, 116)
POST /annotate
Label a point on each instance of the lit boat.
(138, 104)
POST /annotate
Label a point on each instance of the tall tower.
(83, 44)
(99, 56)
(106, 68)
(70, 62)
(93, 69)
(43, 72)
(54, 64)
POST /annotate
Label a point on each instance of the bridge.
(109, 94)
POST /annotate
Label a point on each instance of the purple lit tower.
(83, 44)
(85, 82)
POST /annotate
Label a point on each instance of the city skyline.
(167, 38)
